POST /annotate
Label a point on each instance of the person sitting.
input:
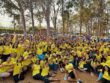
(70, 71)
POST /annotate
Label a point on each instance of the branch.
(14, 4)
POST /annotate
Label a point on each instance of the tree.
(56, 9)
(15, 7)
(21, 5)
(46, 7)
(31, 3)
(39, 15)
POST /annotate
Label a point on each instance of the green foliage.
(69, 5)
(10, 30)
(89, 14)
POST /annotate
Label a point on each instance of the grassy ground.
(86, 77)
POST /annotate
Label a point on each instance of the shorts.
(61, 63)
(71, 74)
(18, 77)
(37, 77)
(5, 57)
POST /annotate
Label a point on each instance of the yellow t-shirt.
(20, 50)
(17, 69)
(26, 62)
(34, 59)
(71, 58)
(55, 60)
(69, 67)
(13, 61)
(108, 63)
(108, 58)
(36, 69)
(93, 64)
(81, 64)
(79, 53)
(42, 63)
(98, 57)
(4, 67)
(45, 71)
(25, 54)
(13, 50)
(106, 75)
(106, 50)
(45, 48)
(50, 60)
(39, 51)
(7, 50)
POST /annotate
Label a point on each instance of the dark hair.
(103, 70)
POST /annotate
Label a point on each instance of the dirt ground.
(85, 77)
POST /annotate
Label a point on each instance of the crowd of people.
(45, 57)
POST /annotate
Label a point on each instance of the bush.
(10, 31)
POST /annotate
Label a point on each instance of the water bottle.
(65, 77)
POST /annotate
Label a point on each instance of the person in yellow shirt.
(39, 51)
(26, 62)
(36, 71)
(34, 59)
(17, 71)
(99, 56)
(25, 54)
(42, 63)
(106, 50)
(70, 71)
(13, 58)
(20, 49)
(108, 57)
(6, 51)
(5, 68)
(106, 75)
(45, 74)
(61, 63)
(45, 70)
(82, 65)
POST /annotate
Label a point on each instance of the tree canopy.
(84, 16)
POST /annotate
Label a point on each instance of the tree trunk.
(32, 16)
(80, 28)
(86, 26)
(47, 16)
(63, 17)
(48, 26)
(91, 27)
(23, 22)
(55, 27)
(22, 17)
(81, 8)
(14, 23)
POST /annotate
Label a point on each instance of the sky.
(5, 20)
